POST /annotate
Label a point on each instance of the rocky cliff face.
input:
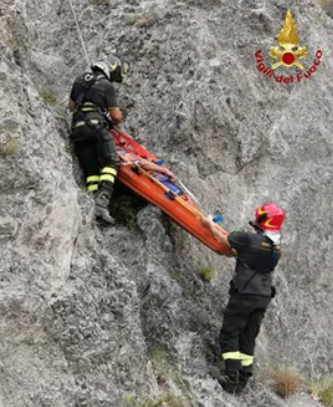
(121, 317)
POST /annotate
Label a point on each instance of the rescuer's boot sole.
(101, 208)
(103, 214)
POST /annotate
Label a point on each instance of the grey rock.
(94, 316)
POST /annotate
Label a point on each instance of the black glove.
(233, 288)
(273, 291)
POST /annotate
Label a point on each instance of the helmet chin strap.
(273, 236)
(256, 227)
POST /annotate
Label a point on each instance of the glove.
(273, 291)
(233, 288)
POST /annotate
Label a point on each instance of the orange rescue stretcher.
(157, 189)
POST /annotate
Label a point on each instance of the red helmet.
(270, 217)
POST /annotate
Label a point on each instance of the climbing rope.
(80, 35)
(189, 193)
(216, 218)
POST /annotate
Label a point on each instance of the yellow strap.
(88, 109)
(109, 170)
(92, 187)
(246, 360)
(93, 178)
(231, 355)
(107, 177)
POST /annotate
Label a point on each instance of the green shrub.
(48, 96)
(171, 400)
(124, 207)
(128, 400)
(206, 272)
(165, 370)
(158, 358)
(325, 395)
(11, 147)
(323, 391)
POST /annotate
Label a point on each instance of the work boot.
(230, 379)
(229, 383)
(244, 377)
(101, 208)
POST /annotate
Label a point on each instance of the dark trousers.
(97, 155)
(241, 325)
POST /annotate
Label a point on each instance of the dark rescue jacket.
(257, 258)
(93, 95)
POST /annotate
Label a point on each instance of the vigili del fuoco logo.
(288, 54)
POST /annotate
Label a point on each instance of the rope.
(217, 219)
(80, 35)
(130, 163)
(191, 195)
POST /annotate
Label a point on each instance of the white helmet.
(112, 68)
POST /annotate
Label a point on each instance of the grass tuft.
(165, 370)
(125, 207)
(323, 391)
(11, 147)
(48, 96)
(206, 272)
(171, 400)
(286, 382)
(158, 358)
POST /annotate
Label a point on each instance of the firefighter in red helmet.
(251, 290)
